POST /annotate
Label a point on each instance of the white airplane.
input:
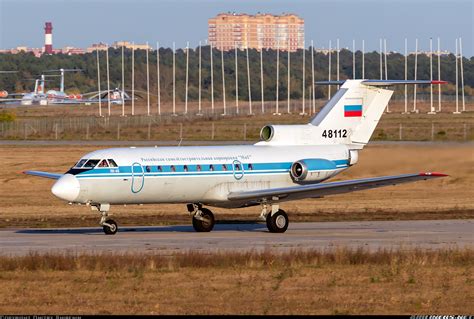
(289, 163)
(38, 95)
(60, 97)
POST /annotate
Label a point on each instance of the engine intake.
(266, 133)
(312, 170)
(299, 171)
(301, 134)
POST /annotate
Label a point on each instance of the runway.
(372, 235)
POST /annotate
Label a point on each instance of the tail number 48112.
(341, 133)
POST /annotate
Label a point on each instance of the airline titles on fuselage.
(196, 158)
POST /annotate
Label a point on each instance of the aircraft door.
(138, 178)
(238, 169)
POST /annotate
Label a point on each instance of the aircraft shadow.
(139, 229)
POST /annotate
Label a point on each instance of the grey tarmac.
(372, 235)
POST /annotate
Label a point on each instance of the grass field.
(28, 202)
(312, 282)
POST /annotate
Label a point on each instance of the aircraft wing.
(44, 174)
(67, 102)
(323, 189)
(9, 100)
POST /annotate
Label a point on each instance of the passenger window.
(103, 163)
(91, 163)
(198, 168)
(112, 163)
(237, 167)
(173, 169)
(160, 169)
(211, 167)
(185, 168)
(250, 167)
(148, 169)
(224, 167)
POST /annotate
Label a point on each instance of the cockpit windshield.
(80, 163)
(91, 163)
(112, 163)
(103, 163)
(86, 164)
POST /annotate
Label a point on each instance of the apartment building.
(261, 31)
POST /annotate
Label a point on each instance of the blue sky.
(81, 23)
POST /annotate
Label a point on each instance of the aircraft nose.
(67, 188)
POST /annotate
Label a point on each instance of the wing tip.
(433, 174)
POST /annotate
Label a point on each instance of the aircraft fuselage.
(195, 174)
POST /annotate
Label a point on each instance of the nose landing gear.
(108, 225)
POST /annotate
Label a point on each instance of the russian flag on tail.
(353, 110)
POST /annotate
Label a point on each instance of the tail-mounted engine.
(299, 171)
(312, 170)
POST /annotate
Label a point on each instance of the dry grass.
(28, 202)
(133, 262)
(342, 281)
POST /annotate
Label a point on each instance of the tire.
(110, 230)
(268, 219)
(278, 222)
(204, 226)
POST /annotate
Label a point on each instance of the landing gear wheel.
(278, 223)
(111, 228)
(203, 221)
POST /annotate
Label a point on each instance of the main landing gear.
(108, 225)
(203, 218)
(276, 218)
(204, 221)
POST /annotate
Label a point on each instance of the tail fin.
(349, 118)
(354, 111)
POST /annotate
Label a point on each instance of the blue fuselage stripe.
(207, 170)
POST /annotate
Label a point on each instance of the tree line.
(29, 67)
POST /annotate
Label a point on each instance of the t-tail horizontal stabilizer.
(383, 82)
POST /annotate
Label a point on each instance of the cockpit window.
(112, 163)
(80, 163)
(91, 163)
(103, 163)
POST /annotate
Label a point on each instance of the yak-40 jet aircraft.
(289, 163)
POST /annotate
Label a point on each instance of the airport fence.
(203, 128)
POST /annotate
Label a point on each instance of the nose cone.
(67, 188)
